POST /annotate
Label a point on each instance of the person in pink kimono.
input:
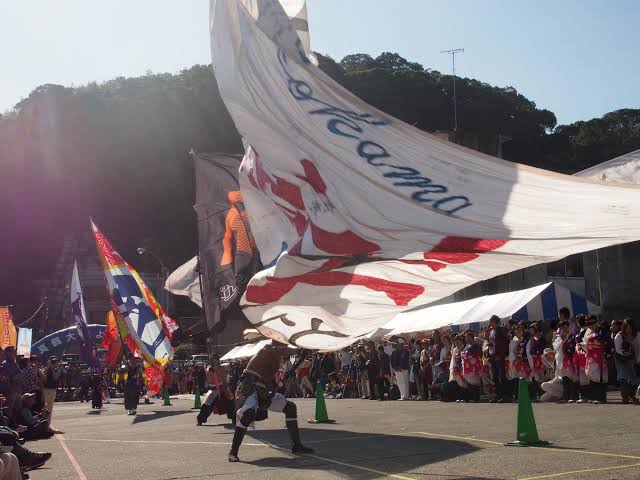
(596, 367)
(472, 365)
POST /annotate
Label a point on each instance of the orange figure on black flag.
(227, 250)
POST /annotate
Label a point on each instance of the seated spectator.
(333, 388)
(36, 423)
(442, 378)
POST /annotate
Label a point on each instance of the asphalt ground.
(370, 439)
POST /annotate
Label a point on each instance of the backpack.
(394, 392)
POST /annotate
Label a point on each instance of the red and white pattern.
(362, 216)
(472, 366)
(596, 367)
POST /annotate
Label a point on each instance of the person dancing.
(254, 396)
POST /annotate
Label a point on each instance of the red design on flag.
(287, 196)
(334, 243)
(111, 257)
(155, 378)
(325, 276)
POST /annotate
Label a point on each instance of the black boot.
(203, 415)
(238, 436)
(294, 433)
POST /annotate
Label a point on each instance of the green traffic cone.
(527, 433)
(197, 404)
(165, 395)
(321, 407)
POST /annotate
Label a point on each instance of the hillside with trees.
(118, 151)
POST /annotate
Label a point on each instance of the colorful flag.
(227, 251)
(373, 216)
(155, 379)
(24, 342)
(131, 303)
(111, 340)
(8, 335)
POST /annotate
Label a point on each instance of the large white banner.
(372, 215)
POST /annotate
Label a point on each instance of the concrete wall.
(619, 267)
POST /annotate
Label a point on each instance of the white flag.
(77, 305)
(373, 215)
(185, 281)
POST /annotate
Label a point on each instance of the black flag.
(227, 250)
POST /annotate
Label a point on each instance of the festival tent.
(536, 303)
(624, 169)
(247, 350)
(57, 341)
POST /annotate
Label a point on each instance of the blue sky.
(579, 59)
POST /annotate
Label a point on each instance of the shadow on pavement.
(386, 454)
(148, 417)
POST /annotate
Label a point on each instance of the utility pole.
(455, 105)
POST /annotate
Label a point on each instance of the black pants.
(570, 389)
(502, 389)
(372, 382)
(382, 386)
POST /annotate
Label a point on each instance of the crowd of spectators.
(26, 407)
(571, 359)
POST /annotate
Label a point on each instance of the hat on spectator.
(27, 396)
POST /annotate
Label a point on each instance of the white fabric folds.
(373, 216)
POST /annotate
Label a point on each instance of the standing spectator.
(424, 372)
(345, 361)
(52, 375)
(384, 373)
(14, 375)
(565, 314)
(565, 348)
(613, 329)
(625, 357)
(472, 365)
(518, 364)
(498, 351)
(400, 362)
(302, 374)
(455, 367)
(534, 350)
(435, 352)
(363, 376)
(595, 340)
(373, 367)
